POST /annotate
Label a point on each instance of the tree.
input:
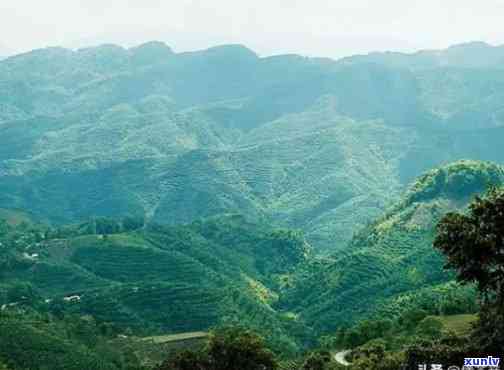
(430, 327)
(21, 292)
(131, 223)
(373, 356)
(371, 329)
(317, 361)
(237, 348)
(107, 226)
(474, 246)
(228, 349)
(4, 227)
(410, 318)
(474, 243)
(186, 360)
(353, 338)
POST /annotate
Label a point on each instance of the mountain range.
(315, 144)
(391, 266)
(146, 192)
(226, 270)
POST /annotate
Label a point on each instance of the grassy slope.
(459, 324)
(223, 270)
(392, 262)
(226, 270)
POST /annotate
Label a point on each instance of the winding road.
(339, 357)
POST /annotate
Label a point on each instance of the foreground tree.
(320, 360)
(228, 349)
(474, 246)
(186, 360)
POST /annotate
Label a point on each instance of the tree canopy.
(228, 349)
(474, 246)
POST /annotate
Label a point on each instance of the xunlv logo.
(489, 361)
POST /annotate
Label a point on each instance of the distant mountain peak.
(232, 50)
(103, 48)
(474, 54)
(55, 53)
(152, 46)
(472, 45)
(150, 52)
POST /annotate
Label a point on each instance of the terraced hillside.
(162, 280)
(315, 144)
(391, 266)
(159, 280)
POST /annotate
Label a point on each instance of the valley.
(320, 160)
(148, 197)
(148, 280)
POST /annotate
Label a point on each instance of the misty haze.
(246, 186)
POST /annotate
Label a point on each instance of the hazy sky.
(330, 28)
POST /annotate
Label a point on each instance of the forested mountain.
(143, 280)
(314, 144)
(471, 55)
(391, 266)
(145, 192)
(157, 280)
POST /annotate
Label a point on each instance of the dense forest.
(307, 143)
(217, 210)
(90, 294)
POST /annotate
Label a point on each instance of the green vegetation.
(391, 266)
(472, 242)
(237, 348)
(31, 340)
(159, 279)
(459, 324)
(228, 349)
(473, 245)
(318, 145)
(146, 195)
(386, 293)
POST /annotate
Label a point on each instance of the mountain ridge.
(229, 269)
(308, 143)
(162, 45)
(392, 258)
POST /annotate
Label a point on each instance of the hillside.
(117, 281)
(471, 55)
(162, 280)
(174, 137)
(29, 340)
(391, 265)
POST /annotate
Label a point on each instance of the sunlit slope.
(393, 258)
(160, 280)
(310, 143)
(322, 172)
